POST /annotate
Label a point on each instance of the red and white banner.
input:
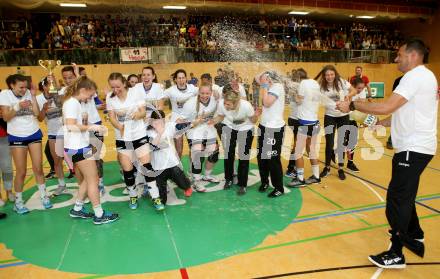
(134, 54)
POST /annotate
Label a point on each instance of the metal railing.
(169, 55)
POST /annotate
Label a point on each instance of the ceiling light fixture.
(73, 5)
(365, 17)
(298, 13)
(174, 7)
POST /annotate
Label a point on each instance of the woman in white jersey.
(20, 110)
(292, 121)
(178, 95)
(126, 109)
(239, 118)
(336, 89)
(202, 138)
(308, 100)
(270, 139)
(77, 147)
(50, 106)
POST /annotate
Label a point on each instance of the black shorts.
(309, 130)
(79, 155)
(97, 135)
(132, 145)
(293, 124)
(25, 141)
(203, 142)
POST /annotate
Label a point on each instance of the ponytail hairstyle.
(152, 71)
(80, 83)
(42, 83)
(117, 76)
(323, 82)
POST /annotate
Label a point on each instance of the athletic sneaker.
(325, 172)
(388, 259)
(241, 191)
(228, 185)
(83, 214)
(71, 175)
(290, 174)
(50, 175)
(199, 187)
(11, 197)
(133, 203)
(107, 217)
(125, 191)
(157, 203)
(59, 190)
(341, 174)
(46, 202)
(210, 178)
(263, 187)
(313, 180)
(351, 166)
(20, 208)
(275, 193)
(296, 183)
(188, 192)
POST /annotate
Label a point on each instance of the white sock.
(18, 197)
(132, 191)
(315, 170)
(300, 173)
(61, 182)
(208, 172)
(98, 211)
(42, 189)
(78, 205)
(153, 190)
(197, 176)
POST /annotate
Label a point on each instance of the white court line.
(371, 189)
(377, 273)
(66, 246)
(172, 240)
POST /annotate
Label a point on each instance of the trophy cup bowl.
(50, 65)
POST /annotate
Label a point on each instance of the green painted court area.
(209, 227)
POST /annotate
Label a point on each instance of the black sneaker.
(388, 259)
(50, 175)
(313, 180)
(341, 174)
(263, 187)
(296, 183)
(71, 175)
(275, 193)
(325, 172)
(3, 215)
(228, 185)
(107, 217)
(83, 214)
(241, 191)
(351, 166)
(389, 145)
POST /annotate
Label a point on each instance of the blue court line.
(353, 211)
(12, 264)
(428, 167)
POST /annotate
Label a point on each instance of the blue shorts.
(77, 155)
(25, 141)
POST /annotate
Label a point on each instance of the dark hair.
(358, 67)
(355, 82)
(117, 76)
(206, 76)
(13, 79)
(417, 45)
(42, 83)
(323, 82)
(68, 69)
(178, 72)
(152, 71)
(157, 114)
(130, 76)
(301, 74)
(80, 83)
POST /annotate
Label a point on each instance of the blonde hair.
(231, 96)
(204, 84)
(80, 83)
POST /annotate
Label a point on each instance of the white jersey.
(123, 109)
(360, 96)
(336, 96)
(308, 110)
(414, 125)
(151, 96)
(178, 97)
(201, 131)
(237, 119)
(24, 123)
(165, 156)
(293, 105)
(93, 114)
(73, 109)
(54, 114)
(273, 116)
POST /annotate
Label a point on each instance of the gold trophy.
(49, 65)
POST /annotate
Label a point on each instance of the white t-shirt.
(166, 156)
(93, 114)
(72, 109)
(414, 125)
(241, 91)
(237, 119)
(272, 117)
(24, 123)
(308, 109)
(133, 129)
(150, 96)
(336, 96)
(360, 96)
(293, 105)
(178, 98)
(201, 131)
(54, 115)
(217, 89)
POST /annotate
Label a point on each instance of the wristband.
(352, 107)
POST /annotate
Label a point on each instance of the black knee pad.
(129, 178)
(213, 158)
